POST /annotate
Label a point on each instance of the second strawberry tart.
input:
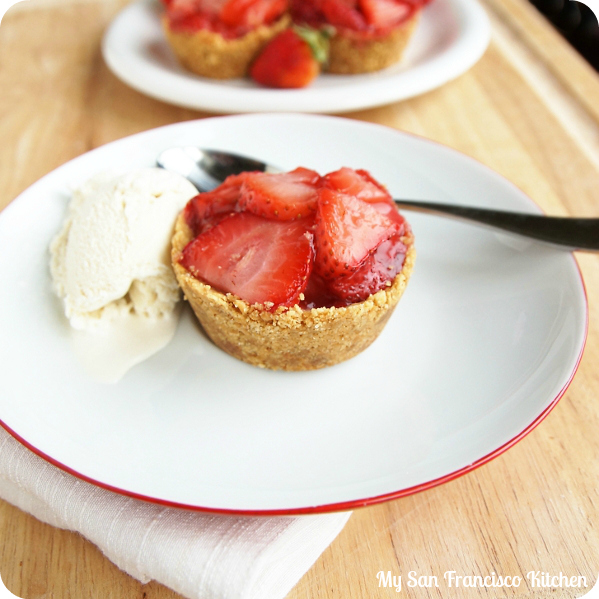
(293, 271)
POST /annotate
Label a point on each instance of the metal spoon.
(206, 169)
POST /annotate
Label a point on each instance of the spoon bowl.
(207, 169)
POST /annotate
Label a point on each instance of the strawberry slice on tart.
(361, 184)
(377, 271)
(263, 262)
(370, 35)
(344, 15)
(249, 14)
(219, 39)
(365, 18)
(230, 18)
(382, 15)
(347, 231)
(358, 183)
(281, 196)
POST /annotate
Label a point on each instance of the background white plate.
(483, 344)
(451, 36)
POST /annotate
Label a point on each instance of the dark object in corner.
(577, 23)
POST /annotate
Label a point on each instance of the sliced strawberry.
(213, 7)
(261, 261)
(208, 208)
(347, 231)
(380, 267)
(344, 14)
(182, 6)
(306, 12)
(179, 9)
(230, 18)
(363, 185)
(389, 209)
(190, 23)
(386, 14)
(251, 13)
(341, 13)
(281, 196)
(291, 59)
(358, 183)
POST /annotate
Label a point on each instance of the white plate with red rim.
(450, 38)
(483, 344)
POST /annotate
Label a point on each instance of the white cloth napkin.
(197, 555)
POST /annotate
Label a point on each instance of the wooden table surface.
(528, 109)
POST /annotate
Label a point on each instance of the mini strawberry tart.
(368, 35)
(293, 271)
(220, 38)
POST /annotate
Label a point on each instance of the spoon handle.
(572, 233)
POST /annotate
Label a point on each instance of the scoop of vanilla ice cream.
(112, 256)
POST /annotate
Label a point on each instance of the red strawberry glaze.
(343, 14)
(229, 18)
(283, 196)
(355, 18)
(319, 294)
(358, 183)
(361, 184)
(251, 13)
(347, 230)
(386, 14)
(296, 238)
(382, 266)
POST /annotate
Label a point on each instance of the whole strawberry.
(292, 59)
